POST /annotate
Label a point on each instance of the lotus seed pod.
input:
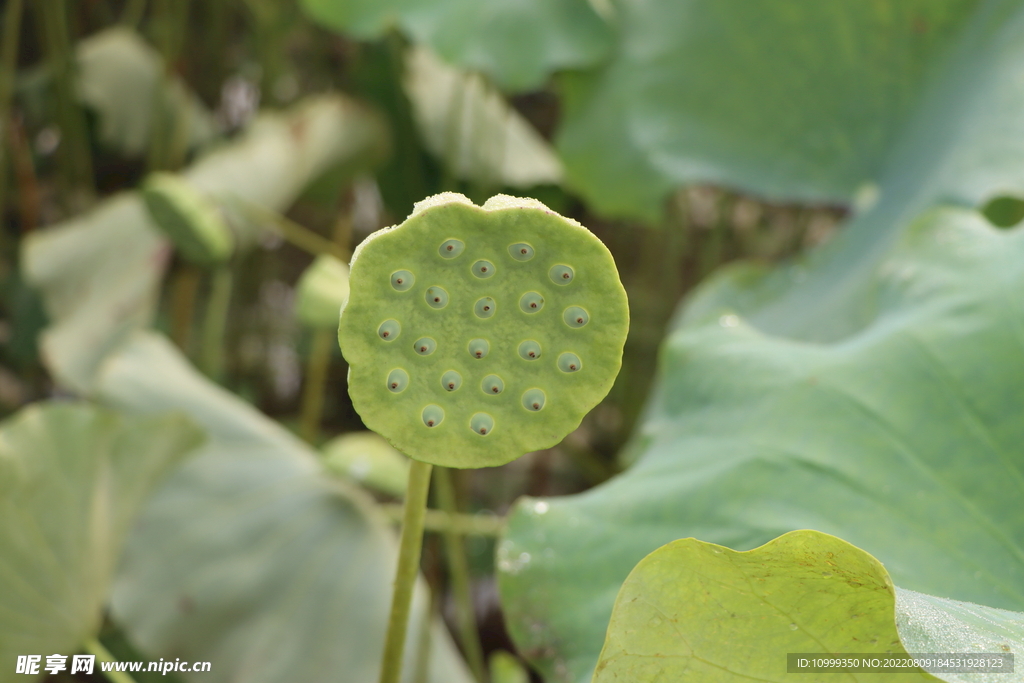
(191, 221)
(321, 291)
(511, 332)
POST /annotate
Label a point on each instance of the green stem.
(316, 382)
(74, 148)
(453, 137)
(94, 647)
(441, 521)
(458, 569)
(712, 250)
(184, 290)
(293, 233)
(215, 323)
(405, 574)
(133, 13)
(422, 672)
(168, 132)
(8, 67)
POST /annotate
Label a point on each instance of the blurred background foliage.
(684, 141)
(98, 94)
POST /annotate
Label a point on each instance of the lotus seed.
(574, 316)
(451, 380)
(483, 269)
(569, 362)
(521, 251)
(402, 280)
(534, 399)
(398, 380)
(451, 248)
(478, 348)
(531, 302)
(561, 275)
(529, 350)
(492, 384)
(425, 346)
(389, 330)
(433, 415)
(436, 297)
(484, 308)
(482, 423)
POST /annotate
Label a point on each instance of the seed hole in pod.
(574, 316)
(451, 248)
(561, 275)
(484, 308)
(398, 380)
(529, 350)
(451, 381)
(436, 297)
(425, 346)
(389, 330)
(478, 348)
(569, 362)
(402, 280)
(531, 302)
(483, 269)
(481, 423)
(432, 415)
(521, 251)
(534, 400)
(492, 385)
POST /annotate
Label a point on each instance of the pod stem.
(459, 523)
(408, 567)
(74, 149)
(458, 569)
(421, 674)
(215, 323)
(94, 647)
(8, 68)
(315, 384)
(133, 12)
(298, 235)
(169, 130)
(184, 292)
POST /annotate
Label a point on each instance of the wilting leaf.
(468, 125)
(251, 556)
(123, 80)
(99, 272)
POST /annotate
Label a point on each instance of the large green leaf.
(797, 100)
(251, 556)
(99, 272)
(695, 611)
(903, 438)
(515, 42)
(72, 479)
(890, 106)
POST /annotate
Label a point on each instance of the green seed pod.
(191, 221)
(366, 458)
(321, 292)
(509, 367)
